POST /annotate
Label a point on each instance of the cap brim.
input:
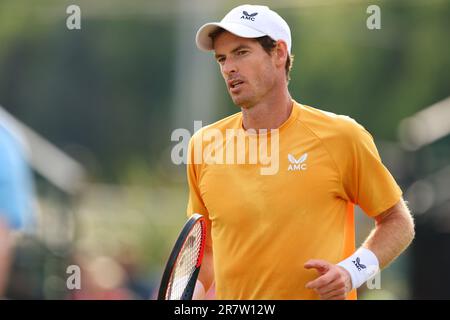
(205, 43)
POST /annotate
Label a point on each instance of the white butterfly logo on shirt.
(297, 164)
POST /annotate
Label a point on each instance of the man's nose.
(229, 67)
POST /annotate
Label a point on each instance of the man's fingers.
(321, 281)
(321, 265)
(334, 285)
(331, 284)
(339, 294)
(337, 287)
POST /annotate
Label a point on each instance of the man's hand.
(201, 294)
(199, 291)
(333, 283)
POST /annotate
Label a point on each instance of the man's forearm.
(393, 233)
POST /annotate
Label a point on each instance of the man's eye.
(220, 60)
(241, 52)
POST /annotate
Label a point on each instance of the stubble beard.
(245, 100)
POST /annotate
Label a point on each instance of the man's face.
(248, 70)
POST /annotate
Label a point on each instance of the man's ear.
(281, 53)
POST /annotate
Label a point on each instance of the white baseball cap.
(247, 21)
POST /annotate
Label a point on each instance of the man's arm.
(393, 232)
(196, 205)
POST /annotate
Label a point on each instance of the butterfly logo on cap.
(249, 16)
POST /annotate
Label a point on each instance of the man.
(16, 195)
(288, 235)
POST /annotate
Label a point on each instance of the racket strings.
(186, 263)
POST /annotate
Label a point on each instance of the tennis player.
(287, 235)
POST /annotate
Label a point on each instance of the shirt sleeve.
(195, 201)
(365, 180)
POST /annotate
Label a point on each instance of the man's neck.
(268, 114)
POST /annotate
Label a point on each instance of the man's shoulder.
(328, 124)
(230, 122)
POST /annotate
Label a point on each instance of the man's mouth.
(235, 84)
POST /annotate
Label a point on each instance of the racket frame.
(174, 255)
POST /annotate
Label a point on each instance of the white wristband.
(362, 266)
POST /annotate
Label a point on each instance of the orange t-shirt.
(265, 227)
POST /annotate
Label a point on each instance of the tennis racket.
(182, 268)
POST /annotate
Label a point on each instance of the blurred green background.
(109, 96)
